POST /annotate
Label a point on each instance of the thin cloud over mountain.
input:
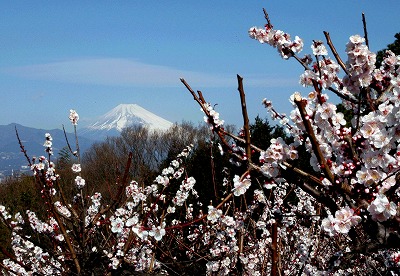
(127, 72)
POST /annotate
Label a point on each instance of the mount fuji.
(122, 116)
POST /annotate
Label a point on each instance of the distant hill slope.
(11, 156)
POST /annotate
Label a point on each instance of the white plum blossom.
(318, 48)
(73, 117)
(62, 209)
(79, 182)
(213, 214)
(117, 225)
(342, 222)
(381, 209)
(157, 232)
(76, 168)
(345, 219)
(140, 232)
(241, 186)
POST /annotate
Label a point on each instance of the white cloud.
(125, 72)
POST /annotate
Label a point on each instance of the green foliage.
(394, 47)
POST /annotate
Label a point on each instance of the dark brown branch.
(68, 144)
(314, 142)
(365, 30)
(266, 16)
(274, 249)
(343, 96)
(246, 128)
(335, 53)
(23, 150)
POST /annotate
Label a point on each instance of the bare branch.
(365, 30)
(314, 142)
(23, 150)
(245, 118)
(335, 53)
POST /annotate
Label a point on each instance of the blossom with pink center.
(117, 225)
(213, 214)
(76, 168)
(73, 117)
(319, 48)
(342, 222)
(157, 233)
(240, 186)
(345, 219)
(79, 182)
(381, 209)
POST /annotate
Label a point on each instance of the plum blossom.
(117, 225)
(345, 219)
(278, 39)
(241, 186)
(79, 182)
(318, 48)
(140, 232)
(381, 209)
(213, 214)
(73, 117)
(76, 168)
(157, 232)
(342, 222)
(212, 117)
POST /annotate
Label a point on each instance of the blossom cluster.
(212, 116)
(342, 222)
(278, 39)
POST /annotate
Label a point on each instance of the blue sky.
(94, 55)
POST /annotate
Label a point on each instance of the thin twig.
(66, 140)
(266, 16)
(365, 30)
(246, 128)
(23, 150)
(335, 53)
(314, 142)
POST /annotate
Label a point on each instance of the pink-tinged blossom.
(117, 225)
(76, 168)
(62, 209)
(73, 117)
(319, 48)
(241, 186)
(278, 39)
(342, 222)
(79, 182)
(213, 214)
(140, 232)
(157, 232)
(381, 209)
(345, 219)
(328, 225)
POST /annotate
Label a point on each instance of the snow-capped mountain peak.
(125, 115)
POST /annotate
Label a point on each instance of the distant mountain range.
(109, 124)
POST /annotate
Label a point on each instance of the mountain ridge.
(124, 115)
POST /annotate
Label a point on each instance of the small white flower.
(240, 187)
(381, 209)
(213, 214)
(157, 233)
(79, 182)
(76, 168)
(117, 225)
(73, 117)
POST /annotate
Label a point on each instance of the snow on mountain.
(125, 115)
